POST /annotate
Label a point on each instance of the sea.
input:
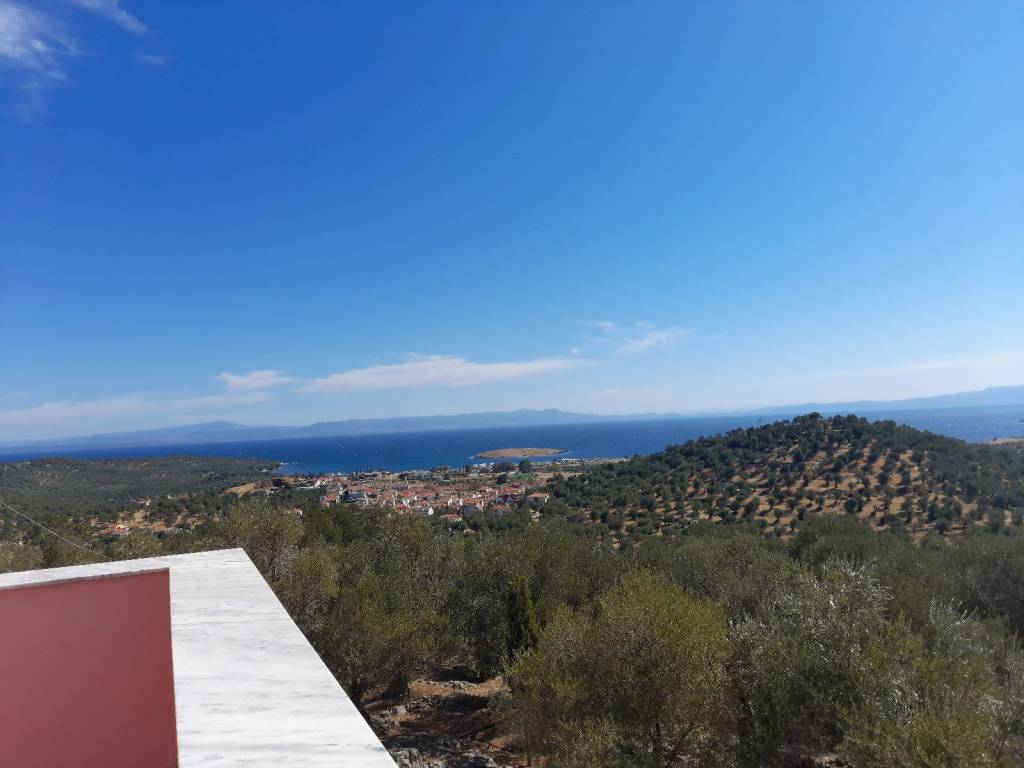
(456, 448)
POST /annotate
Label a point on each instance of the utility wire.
(51, 531)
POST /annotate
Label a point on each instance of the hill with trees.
(66, 491)
(893, 478)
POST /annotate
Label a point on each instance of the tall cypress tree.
(522, 617)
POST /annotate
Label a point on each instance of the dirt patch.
(515, 453)
(445, 718)
(242, 490)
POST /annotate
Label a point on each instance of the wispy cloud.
(436, 371)
(112, 10)
(153, 59)
(606, 327)
(33, 48)
(60, 418)
(633, 338)
(36, 46)
(651, 338)
(253, 381)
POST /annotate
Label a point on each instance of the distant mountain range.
(984, 398)
(227, 432)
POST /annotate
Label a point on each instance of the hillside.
(69, 488)
(893, 477)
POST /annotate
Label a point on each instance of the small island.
(510, 453)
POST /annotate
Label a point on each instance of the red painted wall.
(86, 679)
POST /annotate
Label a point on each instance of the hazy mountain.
(993, 396)
(226, 431)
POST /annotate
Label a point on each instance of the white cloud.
(436, 371)
(607, 327)
(253, 380)
(112, 10)
(651, 338)
(35, 46)
(61, 418)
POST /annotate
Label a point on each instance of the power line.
(51, 531)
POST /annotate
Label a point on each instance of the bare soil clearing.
(515, 453)
(443, 719)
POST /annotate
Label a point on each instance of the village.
(450, 495)
(441, 493)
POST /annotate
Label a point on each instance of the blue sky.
(292, 212)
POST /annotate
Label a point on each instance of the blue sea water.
(422, 450)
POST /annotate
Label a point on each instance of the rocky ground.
(444, 724)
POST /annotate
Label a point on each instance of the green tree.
(644, 672)
(136, 544)
(16, 556)
(989, 571)
(310, 584)
(373, 635)
(936, 703)
(824, 537)
(380, 622)
(270, 536)
(795, 664)
(522, 618)
(735, 567)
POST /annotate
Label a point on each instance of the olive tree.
(269, 535)
(638, 681)
(795, 662)
(937, 700)
(16, 556)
